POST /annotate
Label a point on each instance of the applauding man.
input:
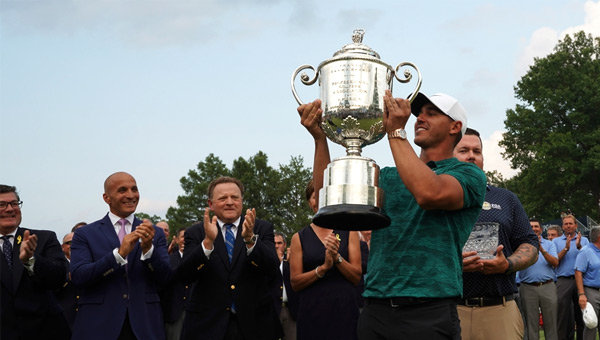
(118, 262)
(231, 258)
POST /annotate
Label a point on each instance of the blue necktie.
(7, 250)
(229, 240)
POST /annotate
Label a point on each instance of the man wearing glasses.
(66, 245)
(32, 265)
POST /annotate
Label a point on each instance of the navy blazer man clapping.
(119, 279)
(231, 258)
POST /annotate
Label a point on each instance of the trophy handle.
(408, 77)
(304, 78)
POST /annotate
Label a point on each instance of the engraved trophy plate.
(352, 85)
(483, 239)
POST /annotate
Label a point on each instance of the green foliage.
(495, 178)
(553, 136)
(276, 194)
(154, 218)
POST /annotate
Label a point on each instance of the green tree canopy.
(553, 136)
(154, 218)
(276, 194)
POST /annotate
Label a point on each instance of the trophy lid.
(357, 47)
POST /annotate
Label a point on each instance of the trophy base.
(351, 217)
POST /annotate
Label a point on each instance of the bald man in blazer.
(119, 280)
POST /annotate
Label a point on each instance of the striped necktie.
(229, 240)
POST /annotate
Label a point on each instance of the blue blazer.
(109, 291)
(29, 308)
(217, 284)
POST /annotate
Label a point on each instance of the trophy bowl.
(352, 85)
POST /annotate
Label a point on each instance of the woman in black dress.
(325, 266)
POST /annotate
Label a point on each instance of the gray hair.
(556, 227)
(594, 234)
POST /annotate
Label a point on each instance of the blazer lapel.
(135, 253)
(17, 265)
(6, 275)
(108, 229)
(239, 242)
(221, 247)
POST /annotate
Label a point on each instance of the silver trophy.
(353, 83)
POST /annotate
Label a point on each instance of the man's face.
(569, 226)
(469, 150)
(552, 234)
(180, 240)
(165, 227)
(432, 126)
(226, 202)
(10, 218)
(66, 245)
(537, 228)
(122, 194)
(279, 244)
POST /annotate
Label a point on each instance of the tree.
(495, 178)
(154, 218)
(276, 194)
(553, 136)
(191, 205)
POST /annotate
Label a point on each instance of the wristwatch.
(252, 239)
(510, 266)
(398, 133)
(340, 259)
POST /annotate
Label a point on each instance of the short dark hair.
(224, 179)
(80, 224)
(180, 230)
(5, 189)
(473, 132)
(533, 219)
(310, 188)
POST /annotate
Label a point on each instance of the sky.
(88, 88)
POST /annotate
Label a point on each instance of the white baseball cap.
(448, 105)
(589, 316)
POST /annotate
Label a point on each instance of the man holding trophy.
(433, 201)
(421, 211)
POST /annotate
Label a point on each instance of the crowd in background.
(231, 276)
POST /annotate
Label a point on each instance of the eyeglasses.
(13, 204)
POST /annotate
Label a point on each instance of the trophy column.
(353, 83)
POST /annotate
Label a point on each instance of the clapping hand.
(332, 245)
(28, 246)
(145, 233)
(210, 229)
